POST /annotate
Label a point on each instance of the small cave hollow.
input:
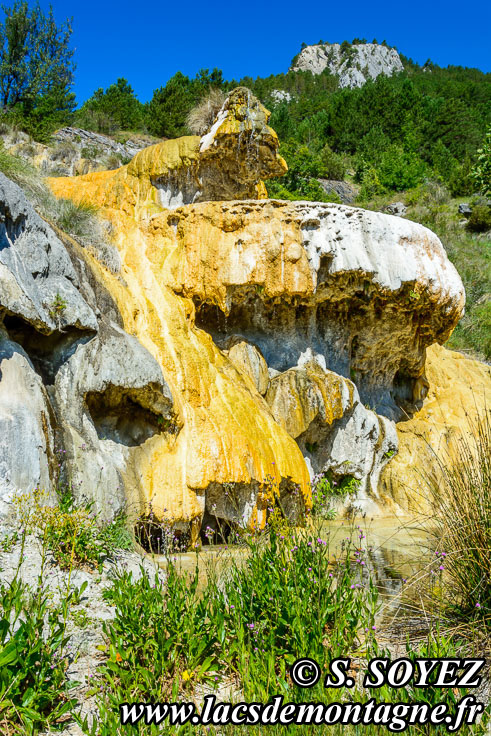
(160, 537)
(118, 416)
(215, 530)
(402, 394)
(46, 352)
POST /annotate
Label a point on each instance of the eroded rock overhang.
(362, 293)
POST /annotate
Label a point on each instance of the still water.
(397, 551)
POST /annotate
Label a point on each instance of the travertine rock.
(459, 393)
(67, 367)
(228, 162)
(27, 459)
(360, 293)
(283, 330)
(335, 432)
(364, 291)
(354, 66)
(248, 358)
(111, 400)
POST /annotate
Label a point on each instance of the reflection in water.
(396, 551)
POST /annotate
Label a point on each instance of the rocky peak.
(354, 64)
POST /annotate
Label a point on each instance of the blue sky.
(148, 42)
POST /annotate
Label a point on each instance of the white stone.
(355, 67)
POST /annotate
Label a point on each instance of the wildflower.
(478, 605)
(441, 567)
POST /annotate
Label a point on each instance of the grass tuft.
(462, 526)
(81, 221)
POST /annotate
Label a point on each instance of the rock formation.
(64, 360)
(459, 396)
(354, 65)
(245, 344)
(228, 162)
(74, 151)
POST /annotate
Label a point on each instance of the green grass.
(285, 597)
(461, 526)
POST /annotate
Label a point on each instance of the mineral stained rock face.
(354, 65)
(360, 292)
(228, 162)
(291, 335)
(67, 370)
(336, 433)
(459, 396)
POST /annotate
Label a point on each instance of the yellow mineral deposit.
(228, 434)
(180, 251)
(459, 394)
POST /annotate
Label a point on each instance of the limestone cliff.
(354, 65)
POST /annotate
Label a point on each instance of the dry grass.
(201, 117)
(81, 221)
(462, 525)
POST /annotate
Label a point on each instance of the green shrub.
(481, 173)
(399, 169)
(74, 535)
(91, 152)
(480, 219)
(325, 487)
(371, 185)
(333, 166)
(34, 693)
